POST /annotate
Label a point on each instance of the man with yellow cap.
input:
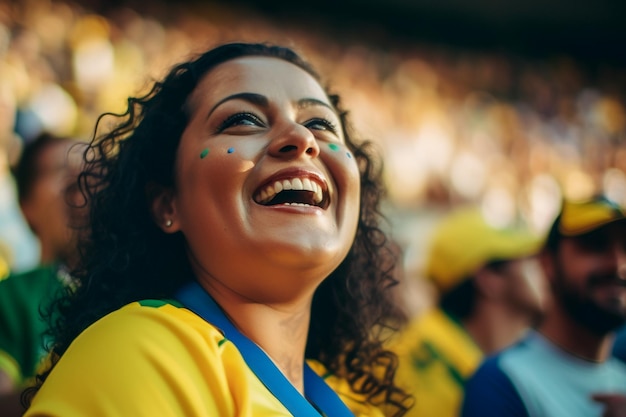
(565, 367)
(491, 290)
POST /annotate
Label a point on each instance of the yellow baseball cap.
(463, 242)
(580, 217)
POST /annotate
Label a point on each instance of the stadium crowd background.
(511, 133)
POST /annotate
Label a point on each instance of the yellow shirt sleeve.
(145, 361)
(159, 360)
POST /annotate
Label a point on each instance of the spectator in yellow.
(218, 205)
(491, 290)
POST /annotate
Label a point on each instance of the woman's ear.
(163, 207)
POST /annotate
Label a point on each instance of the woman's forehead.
(267, 76)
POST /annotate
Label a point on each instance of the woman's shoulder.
(144, 331)
(157, 342)
(151, 319)
(151, 357)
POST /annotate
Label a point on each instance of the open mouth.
(294, 192)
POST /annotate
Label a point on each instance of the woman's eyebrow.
(257, 99)
(262, 101)
(307, 102)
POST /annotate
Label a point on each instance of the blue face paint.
(333, 147)
(204, 153)
(230, 150)
(349, 155)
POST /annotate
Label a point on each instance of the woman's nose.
(293, 141)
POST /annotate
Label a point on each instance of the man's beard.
(598, 319)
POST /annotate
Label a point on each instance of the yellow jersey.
(436, 357)
(154, 358)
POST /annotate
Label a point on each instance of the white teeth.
(318, 195)
(294, 184)
(297, 204)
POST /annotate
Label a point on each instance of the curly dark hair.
(125, 257)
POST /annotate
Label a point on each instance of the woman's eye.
(240, 119)
(321, 124)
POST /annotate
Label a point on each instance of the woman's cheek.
(341, 159)
(228, 153)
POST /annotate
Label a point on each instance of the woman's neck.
(279, 330)
(282, 335)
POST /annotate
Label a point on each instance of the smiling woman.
(235, 264)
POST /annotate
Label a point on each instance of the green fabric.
(22, 298)
(159, 303)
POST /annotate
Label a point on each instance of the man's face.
(590, 278)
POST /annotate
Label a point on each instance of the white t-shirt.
(535, 378)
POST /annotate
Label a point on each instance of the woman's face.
(266, 191)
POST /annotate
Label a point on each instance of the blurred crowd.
(511, 136)
(510, 133)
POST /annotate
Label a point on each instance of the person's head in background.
(46, 181)
(585, 263)
(487, 278)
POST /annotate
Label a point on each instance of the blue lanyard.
(196, 299)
